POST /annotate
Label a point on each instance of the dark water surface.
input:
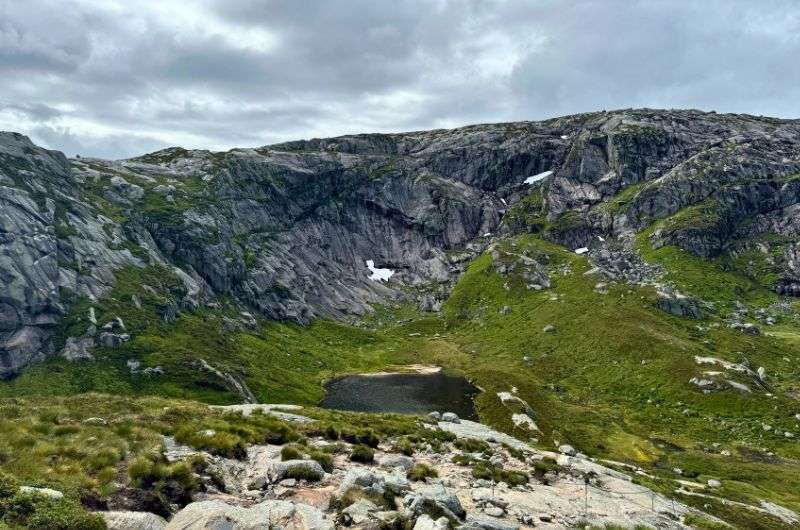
(402, 393)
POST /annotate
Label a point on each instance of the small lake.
(405, 393)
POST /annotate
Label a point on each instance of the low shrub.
(8, 485)
(301, 473)
(64, 516)
(472, 445)
(219, 443)
(37, 512)
(177, 480)
(463, 460)
(545, 465)
(280, 434)
(291, 452)
(404, 445)
(363, 436)
(363, 454)
(324, 459)
(105, 457)
(486, 471)
(420, 472)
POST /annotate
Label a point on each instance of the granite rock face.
(286, 231)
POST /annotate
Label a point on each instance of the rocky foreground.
(433, 489)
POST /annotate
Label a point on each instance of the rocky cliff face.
(286, 230)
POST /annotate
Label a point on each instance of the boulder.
(44, 492)
(396, 461)
(425, 522)
(450, 417)
(77, 349)
(299, 469)
(112, 340)
(133, 521)
(373, 482)
(566, 449)
(216, 515)
(435, 501)
(679, 305)
(359, 512)
(126, 189)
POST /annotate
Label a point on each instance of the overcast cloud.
(120, 78)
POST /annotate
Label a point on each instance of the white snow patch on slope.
(537, 178)
(378, 274)
(582, 250)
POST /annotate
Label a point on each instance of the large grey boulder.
(216, 515)
(299, 469)
(393, 461)
(450, 417)
(679, 305)
(133, 521)
(434, 501)
(374, 482)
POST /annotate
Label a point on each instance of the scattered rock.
(549, 328)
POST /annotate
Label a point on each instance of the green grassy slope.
(612, 379)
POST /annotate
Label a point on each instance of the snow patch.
(582, 250)
(378, 274)
(537, 178)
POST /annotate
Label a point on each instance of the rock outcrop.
(285, 231)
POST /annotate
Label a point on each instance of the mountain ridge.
(631, 277)
(407, 198)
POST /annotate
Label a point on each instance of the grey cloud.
(115, 80)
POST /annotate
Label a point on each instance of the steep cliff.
(285, 231)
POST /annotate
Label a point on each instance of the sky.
(116, 79)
